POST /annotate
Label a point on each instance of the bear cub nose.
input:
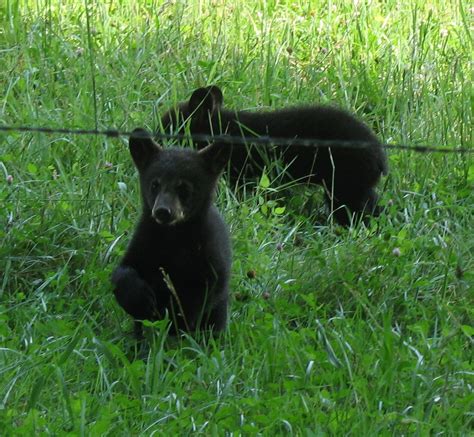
(162, 215)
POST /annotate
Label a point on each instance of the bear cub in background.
(348, 175)
(179, 258)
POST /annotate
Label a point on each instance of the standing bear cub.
(179, 258)
(348, 175)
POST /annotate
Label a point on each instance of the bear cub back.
(178, 261)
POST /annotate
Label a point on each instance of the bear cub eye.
(184, 189)
(155, 185)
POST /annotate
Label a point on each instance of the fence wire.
(240, 140)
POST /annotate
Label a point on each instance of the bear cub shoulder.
(178, 261)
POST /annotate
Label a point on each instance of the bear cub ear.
(216, 156)
(205, 100)
(142, 148)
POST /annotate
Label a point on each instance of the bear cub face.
(176, 184)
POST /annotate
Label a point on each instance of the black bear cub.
(348, 175)
(179, 258)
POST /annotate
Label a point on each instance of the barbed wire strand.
(239, 140)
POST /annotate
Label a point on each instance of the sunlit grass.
(365, 331)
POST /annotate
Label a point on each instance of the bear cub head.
(177, 185)
(204, 105)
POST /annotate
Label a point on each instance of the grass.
(365, 331)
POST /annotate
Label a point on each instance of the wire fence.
(240, 140)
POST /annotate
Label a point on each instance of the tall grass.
(364, 331)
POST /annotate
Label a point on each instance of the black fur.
(348, 175)
(180, 238)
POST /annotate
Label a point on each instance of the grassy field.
(361, 331)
